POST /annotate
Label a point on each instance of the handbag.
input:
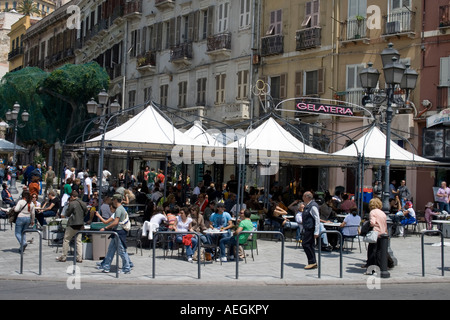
(12, 214)
(371, 237)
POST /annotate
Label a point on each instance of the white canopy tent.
(372, 146)
(146, 131)
(197, 132)
(270, 136)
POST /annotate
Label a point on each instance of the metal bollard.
(40, 250)
(442, 249)
(340, 251)
(383, 242)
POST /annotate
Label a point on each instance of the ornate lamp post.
(395, 75)
(12, 116)
(101, 109)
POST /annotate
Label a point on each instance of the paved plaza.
(264, 270)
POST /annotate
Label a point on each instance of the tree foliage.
(56, 101)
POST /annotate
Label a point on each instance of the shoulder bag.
(371, 237)
(12, 214)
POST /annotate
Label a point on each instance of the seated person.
(7, 196)
(352, 222)
(50, 208)
(326, 209)
(409, 217)
(347, 204)
(245, 225)
(429, 213)
(149, 227)
(276, 213)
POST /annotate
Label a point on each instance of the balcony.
(236, 112)
(14, 53)
(444, 18)
(146, 62)
(219, 45)
(355, 30)
(164, 4)
(443, 101)
(272, 45)
(308, 38)
(399, 24)
(133, 9)
(191, 114)
(181, 54)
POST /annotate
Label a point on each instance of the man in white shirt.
(87, 188)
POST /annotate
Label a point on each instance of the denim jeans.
(189, 250)
(223, 242)
(41, 216)
(106, 263)
(22, 223)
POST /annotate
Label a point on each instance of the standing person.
(145, 175)
(151, 179)
(25, 218)
(76, 212)
(403, 193)
(34, 187)
(49, 178)
(105, 180)
(120, 216)
(87, 188)
(311, 227)
(378, 222)
(443, 197)
(392, 189)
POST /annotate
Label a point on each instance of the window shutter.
(210, 21)
(195, 28)
(283, 84)
(298, 83)
(444, 76)
(321, 81)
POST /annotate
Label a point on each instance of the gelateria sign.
(442, 117)
(332, 110)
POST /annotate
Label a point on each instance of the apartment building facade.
(199, 59)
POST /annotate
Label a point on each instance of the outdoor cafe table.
(215, 235)
(444, 226)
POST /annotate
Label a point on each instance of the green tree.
(56, 101)
(65, 93)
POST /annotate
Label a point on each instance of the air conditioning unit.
(393, 27)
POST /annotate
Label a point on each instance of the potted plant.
(359, 22)
(87, 247)
(50, 229)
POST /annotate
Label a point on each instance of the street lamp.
(13, 117)
(396, 75)
(101, 110)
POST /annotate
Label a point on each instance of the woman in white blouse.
(25, 208)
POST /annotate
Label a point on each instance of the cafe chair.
(354, 233)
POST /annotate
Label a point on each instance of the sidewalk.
(265, 270)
